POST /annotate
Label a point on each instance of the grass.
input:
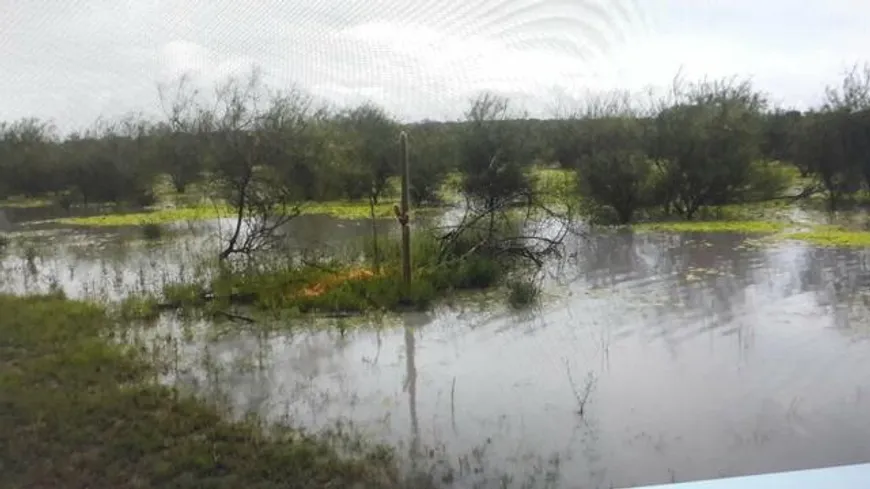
(79, 411)
(833, 236)
(556, 184)
(160, 216)
(335, 286)
(818, 235)
(19, 202)
(746, 227)
(338, 209)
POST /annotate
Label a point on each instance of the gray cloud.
(75, 60)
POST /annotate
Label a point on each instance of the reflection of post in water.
(411, 386)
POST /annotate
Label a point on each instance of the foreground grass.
(79, 411)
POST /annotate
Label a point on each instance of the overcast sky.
(73, 60)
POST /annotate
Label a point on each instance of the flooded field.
(654, 357)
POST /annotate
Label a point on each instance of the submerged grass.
(25, 202)
(748, 227)
(338, 209)
(833, 236)
(80, 411)
(818, 235)
(155, 217)
(557, 185)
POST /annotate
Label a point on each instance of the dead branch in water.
(582, 397)
(235, 317)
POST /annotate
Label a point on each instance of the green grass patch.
(747, 227)
(26, 202)
(79, 411)
(160, 216)
(555, 185)
(339, 209)
(833, 236)
(349, 289)
(819, 235)
(351, 210)
(335, 286)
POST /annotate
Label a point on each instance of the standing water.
(653, 358)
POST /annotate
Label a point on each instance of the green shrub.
(522, 292)
(769, 180)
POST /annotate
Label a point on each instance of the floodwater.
(653, 358)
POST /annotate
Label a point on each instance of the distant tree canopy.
(705, 144)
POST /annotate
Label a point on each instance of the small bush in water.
(522, 292)
(152, 231)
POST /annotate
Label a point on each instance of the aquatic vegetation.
(77, 406)
(556, 186)
(341, 210)
(746, 227)
(834, 236)
(819, 235)
(345, 289)
(25, 202)
(160, 216)
(335, 286)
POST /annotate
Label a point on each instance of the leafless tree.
(256, 137)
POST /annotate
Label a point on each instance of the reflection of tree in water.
(700, 284)
(601, 259)
(840, 281)
(320, 231)
(236, 373)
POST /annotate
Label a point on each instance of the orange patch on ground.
(331, 281)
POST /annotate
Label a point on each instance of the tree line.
(702, 144)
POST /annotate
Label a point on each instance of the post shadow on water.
(411, 323)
